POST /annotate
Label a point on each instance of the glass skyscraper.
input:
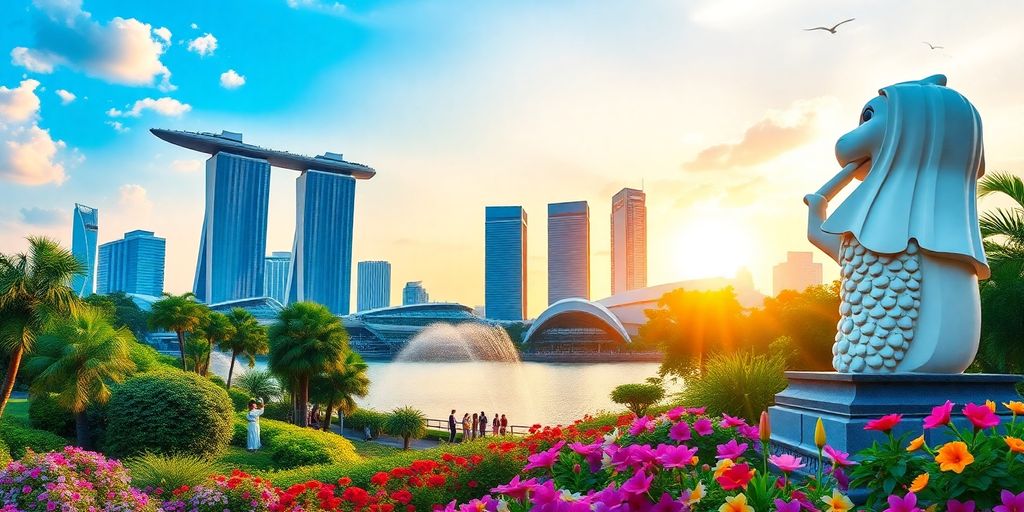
(85, 227)
(134, 264)
(374, 287)
(568, 251)
(629, 240)
(414, 293)
(234, 238)
(275, 275)
(505, 263)
(322, 253)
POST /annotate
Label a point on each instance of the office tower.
(374, 288)
(322, 254)
(505, 263)
(414, 293)
(275, 275)
(86, 224)
(629, 240)
(134, 264)
(568, 251)
(796, 273)
(234, 238)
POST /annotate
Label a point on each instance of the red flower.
(471, 484)
(344, 481)
(380, 478)
(356, 495)
(435, 481)
(402, 496)
(981, 416)
(885, 423)
(737, 476)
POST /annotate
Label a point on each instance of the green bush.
(638, 397)
(218, 380)
(5, 454)
(168, 412)
(147, 359)
(19, 437)
(261, 383)
(742, 384)
(280, 411)
(170, 472)
(44, 413)
(291, 446)
(239, 399)
(406, 422)
(367, 417)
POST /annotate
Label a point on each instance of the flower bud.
(819, 434)
(764, 427)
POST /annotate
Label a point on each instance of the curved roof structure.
(231, 142)
(575, 306)
(428, 308)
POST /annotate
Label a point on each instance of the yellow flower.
(819, 434)
(991, 405)
(919, 483)
(723, 465)
(954, 457)
(736, 503)
(916, 443)
(1015, 444)
(1015, 407)
(696, 494)
(695, 460)
(837, 502)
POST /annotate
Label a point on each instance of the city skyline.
(84, 237)
(506, 241)
(373, 285)
(134, 264)
(449, 99)
(568, 251)
(629, 240)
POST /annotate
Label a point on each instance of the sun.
(712, 245)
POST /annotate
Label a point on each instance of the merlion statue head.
(919, 145)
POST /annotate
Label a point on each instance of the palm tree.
(1003, 228)
(306, 340)
(260, 384)
(77, 357)
(178, 313)
(249, 339)
(197, 353)
(339, 387)
(407, 423)
(34, 287)
(215, 329)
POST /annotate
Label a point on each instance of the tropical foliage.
(337, 388)
(260, 384)
(122, 311)
(215, 329)
(160, 474)
(179, 314)
(248, 339)
(407, 423)
(638, 397)
(740, 384)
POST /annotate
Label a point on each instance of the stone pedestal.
(846, 402)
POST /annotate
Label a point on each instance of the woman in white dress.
(255, 411)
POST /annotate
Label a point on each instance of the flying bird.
(932, 46)
(832, 29)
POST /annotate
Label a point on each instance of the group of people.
(476, 425)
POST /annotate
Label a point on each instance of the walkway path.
(416, 444)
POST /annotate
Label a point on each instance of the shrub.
(292, 446)
(361, 418)
(742, 384)
(147, 359)
(237, 492)
(216, 379)
(280, 410)
(44, 413)
(19, 437)
(260, 383)
(239, 399)
(161, 474)
(407, 423)
(638, 397)
(5, 453)
(168, 412)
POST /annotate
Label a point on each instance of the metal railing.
(510, 430)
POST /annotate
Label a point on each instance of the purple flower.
(1010, 502)
(544, 459)
(667, 504)
(731, 450)
(907, 503)
(676, 413)
(641, 425)
(957, 506)
(639, 483)
(592, 453)
(679, 432)
(703, 427)
(675, 456)
(787, 506)
(731, 421)
(516, 489)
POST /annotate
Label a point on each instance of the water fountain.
(443, 342)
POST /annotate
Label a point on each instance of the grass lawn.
(240, 458)
(17, 408)
(370, 449)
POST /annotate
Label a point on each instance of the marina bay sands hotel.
(233, 243)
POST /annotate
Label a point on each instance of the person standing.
(465, 428)
(476, 425)
(253, 430)
(495, 425)
(483, 424)
(451, 427)
(504, 424)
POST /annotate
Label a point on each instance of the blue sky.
(726, 111)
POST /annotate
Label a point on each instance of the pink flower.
(674, 456)
(786, 462)
(907, 503)
(981, 416)
(679, 432)
(939, 416)
(544, 459)
(783, 506)
(731, 450)
(675, 413)
(839, 457)
(1010, 502)
(591, 452)
(703, 427)
(639, 483)
(666, 504)
(516, 489)
(641, 425)
(749, 431)
(696, 410)
(885, 423)
(731, 421)
(957, 506)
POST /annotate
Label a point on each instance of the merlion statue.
(907, 237)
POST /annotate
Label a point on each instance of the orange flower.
(722, 466)
(1015, 407)
(1015, 444)
(916, 443)
(919, 483)
(991, 405)
(837, 502)
(954, 457)
(736, 503)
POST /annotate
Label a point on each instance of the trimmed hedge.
(5, 454)
(239, 399)
(376, 420)
(44, 413)
(291, 446)
(19, 437)
(280, 411)
(168, 412)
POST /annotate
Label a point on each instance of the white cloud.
(323, 6)
(163, 33)
(165, 106)
(190, 165)
(117, 126)
(19, 104)
(230, 79)
(66, 96)
(134, 200)
(204, 45)
(123, 51)
(194, 26)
